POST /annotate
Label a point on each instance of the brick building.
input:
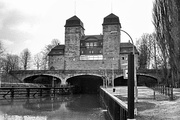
(91, 52)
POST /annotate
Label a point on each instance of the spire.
(74, 7)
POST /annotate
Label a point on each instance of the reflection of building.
(90, 52)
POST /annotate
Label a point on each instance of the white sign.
(125, 73)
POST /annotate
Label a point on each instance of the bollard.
(114, 89)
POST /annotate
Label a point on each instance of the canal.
(70, 107)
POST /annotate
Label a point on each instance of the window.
(87, 45)
(100, 51)
(91, 44)
(91, 57)
(95, 44)
(123, 58)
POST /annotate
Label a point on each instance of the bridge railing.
(117, 110)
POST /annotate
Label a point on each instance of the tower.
(111, 41)
(74, 30)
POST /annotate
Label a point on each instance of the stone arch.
(147, 79)
(85, 83)
(74, 75)
(120, 81)
(45, 79)
(29, 75)
(154, 80)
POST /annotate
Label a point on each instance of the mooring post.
(28, 92)
(40, 92)
(131, 86)
(12, 92)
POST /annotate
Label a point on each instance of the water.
(72, 107)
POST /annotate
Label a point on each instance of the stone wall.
(111, 46)
(56, 62)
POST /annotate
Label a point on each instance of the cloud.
(15, 26)
(7, 42)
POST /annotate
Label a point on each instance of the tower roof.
(74, 22)
(111, 19)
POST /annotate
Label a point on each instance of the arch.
(81, 74)
(86, 83)
(120, 81)
(30, 75)
(47, 80)
(146, 79)
(148, 75)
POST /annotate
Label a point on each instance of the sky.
(33, 24)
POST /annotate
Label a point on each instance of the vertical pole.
(12, 92)
(131, 86)
(40, 92)
(28, 92)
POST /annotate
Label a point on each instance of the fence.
(116, 109)
(165, 90)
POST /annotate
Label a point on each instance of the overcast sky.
(33, 24)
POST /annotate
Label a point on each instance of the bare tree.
(1, 48)
(165, 21)
(10, 62)
(144, 45)
(38, 60)
(1, 55)
(45, 52)
(25, 58)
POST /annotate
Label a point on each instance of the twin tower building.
(90, 52)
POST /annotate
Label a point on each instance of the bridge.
(64, 75)
(84, 78)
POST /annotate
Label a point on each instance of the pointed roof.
(74, 22)
(111, 19)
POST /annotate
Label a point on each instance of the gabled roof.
(127, 47)
(111, 19)
(74, 22)
(57, 50)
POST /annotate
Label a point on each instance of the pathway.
(151, 107)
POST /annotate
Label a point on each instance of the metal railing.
(117, 110)
(163, 89)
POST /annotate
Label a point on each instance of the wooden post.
(130, 86)
(28, 92)
(40, 92)
(12, 92)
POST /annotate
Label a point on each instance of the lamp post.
(135, 79)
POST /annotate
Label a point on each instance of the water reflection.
(72, 107)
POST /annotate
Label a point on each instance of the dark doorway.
(120, 81)
(86, 84)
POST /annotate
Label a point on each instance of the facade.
(91, 52)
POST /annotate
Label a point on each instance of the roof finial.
(74, 7)
(111, 6)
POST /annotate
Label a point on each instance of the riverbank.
(150, 107)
